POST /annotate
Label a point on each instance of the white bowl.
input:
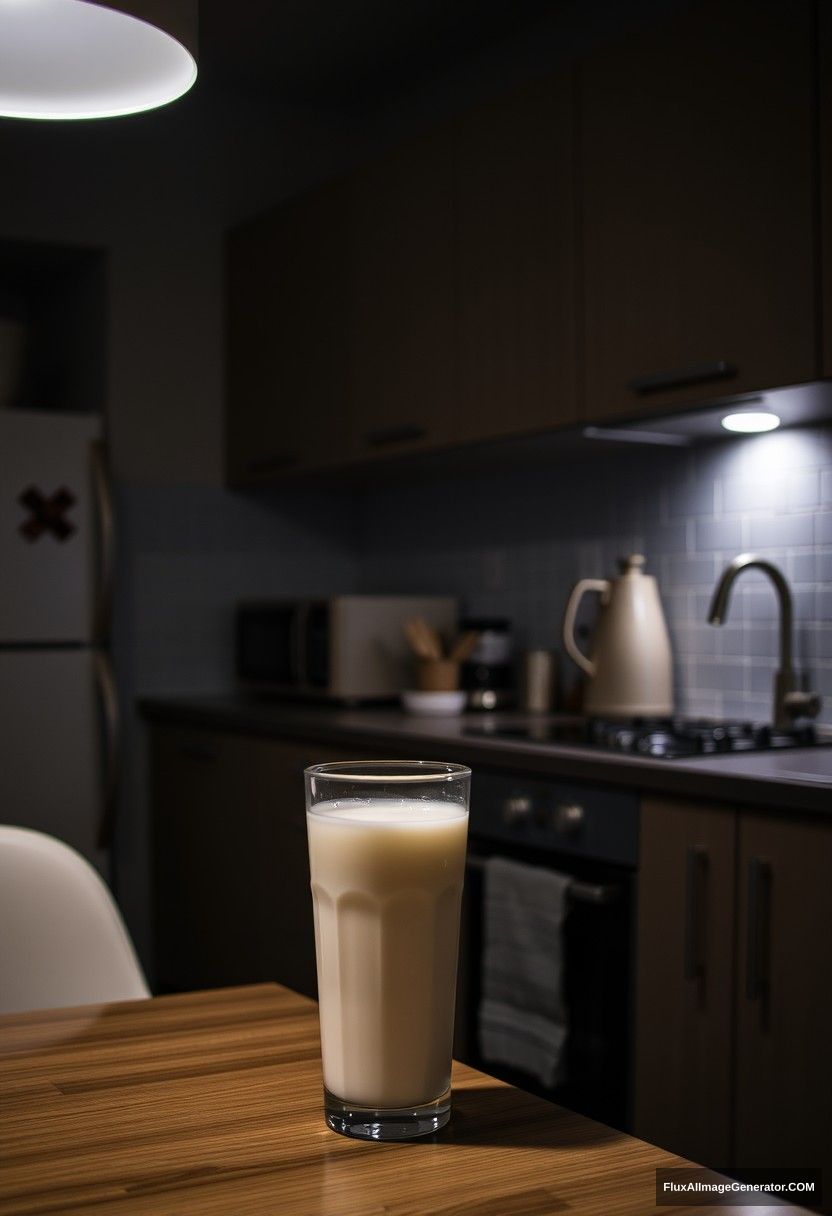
(434, 704)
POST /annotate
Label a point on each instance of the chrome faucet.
(790, 702)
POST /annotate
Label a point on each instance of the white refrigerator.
(58, 701)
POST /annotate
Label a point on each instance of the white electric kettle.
(631, 668)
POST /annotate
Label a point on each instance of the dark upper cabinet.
(462, 319)
(698, 198)
(825, 139)
(286, 282)
(637, 233)
(401, 298)
(463, 279)
(426, 300)
(515, 261)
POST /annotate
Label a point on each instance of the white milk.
(386, 885)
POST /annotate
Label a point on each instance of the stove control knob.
(517, 809)
(569, 818)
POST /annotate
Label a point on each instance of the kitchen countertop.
(211, 1102)
(793, 779)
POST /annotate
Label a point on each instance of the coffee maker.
(488, 675)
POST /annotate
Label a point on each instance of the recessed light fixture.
(72, 59)
(751, 422)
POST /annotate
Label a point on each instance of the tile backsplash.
(191, 552)
(513, 544)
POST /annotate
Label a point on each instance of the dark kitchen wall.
(195, 550)
(513, 544)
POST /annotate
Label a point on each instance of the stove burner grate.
(658, 738)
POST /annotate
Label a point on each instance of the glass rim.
(415, 771)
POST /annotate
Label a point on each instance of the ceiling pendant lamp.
(74, 59)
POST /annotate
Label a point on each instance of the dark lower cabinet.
(784, 993)
(205, 844)
(232, 903)
(685, 976)
(734, 1004)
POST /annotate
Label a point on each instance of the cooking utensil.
(437, 675)
(424, 640)
(464, 646)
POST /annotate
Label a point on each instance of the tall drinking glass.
(387, 858)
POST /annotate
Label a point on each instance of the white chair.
(62, 939)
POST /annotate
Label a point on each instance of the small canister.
(537, 681)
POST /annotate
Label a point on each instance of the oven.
(590, 833)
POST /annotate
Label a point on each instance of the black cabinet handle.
(406, 433)
(759, 905)
(273, 463)
(680, 377)
(696, 878)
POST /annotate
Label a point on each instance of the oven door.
(597, 946)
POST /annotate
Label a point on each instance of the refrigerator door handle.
(103, 494)
(111, 718)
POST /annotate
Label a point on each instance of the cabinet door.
(825, 133)
(286, 275)
(205, 850)
(685, 978)
(698, 191)
(784, 1005)
(402, 298)
(516, 274)
(231, 876)
(285, 898)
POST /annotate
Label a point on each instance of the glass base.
(365, 1123)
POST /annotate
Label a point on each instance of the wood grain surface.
(211, 1103)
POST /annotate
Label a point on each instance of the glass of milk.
(387, 859)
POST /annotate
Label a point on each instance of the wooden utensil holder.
(437, 675)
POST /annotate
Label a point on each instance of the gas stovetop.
(660, 738)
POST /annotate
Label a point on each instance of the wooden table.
(211, 1103)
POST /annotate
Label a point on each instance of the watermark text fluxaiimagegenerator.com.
(695, 1186)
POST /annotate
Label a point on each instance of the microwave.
(344, 648)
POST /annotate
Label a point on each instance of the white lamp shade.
(71, 59)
